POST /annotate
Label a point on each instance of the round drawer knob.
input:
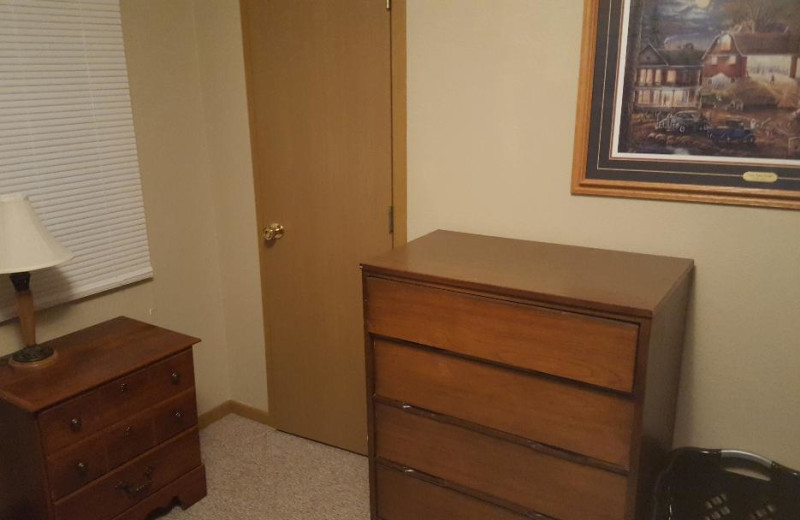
(178, 415)
(123, 388)
(75, 424)
(128, 432)
(175, 377)
(82, 468)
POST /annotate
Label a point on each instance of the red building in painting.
(748, 54)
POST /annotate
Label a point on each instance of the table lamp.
(25, 246)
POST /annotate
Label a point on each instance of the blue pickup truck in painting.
(732, 131)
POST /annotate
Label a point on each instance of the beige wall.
(190, 113)
(219, 46)
(492, 95)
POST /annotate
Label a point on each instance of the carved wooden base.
(186, 491)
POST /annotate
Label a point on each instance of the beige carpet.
(255, 472)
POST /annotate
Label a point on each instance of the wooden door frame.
(398, 47)
(399, 123)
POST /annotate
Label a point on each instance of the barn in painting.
(762, 55)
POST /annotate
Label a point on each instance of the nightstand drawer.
(430, 502)
(172, 376)
(133, 482)
(592, 350)
(73, 467)
(548, 411)
(175, 416)
(76, 467)
(79, 418)
(128, 439)
(71, 422)
(511, 472)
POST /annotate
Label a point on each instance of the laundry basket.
(700, 484)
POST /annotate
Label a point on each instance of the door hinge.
(388, 5)
(391, 219)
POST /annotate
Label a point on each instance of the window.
(67, 140)
(672, 76)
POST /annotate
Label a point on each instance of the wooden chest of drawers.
(107, 432)
(511, 379)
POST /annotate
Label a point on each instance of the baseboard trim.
(215, 414)
(228, 407)
(254, 414)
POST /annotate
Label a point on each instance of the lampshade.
(25, 244)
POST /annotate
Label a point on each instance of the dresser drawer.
(125, 396)
(505, 470)
(592, 350)
(563, 415)
(134, 482)
(128, 439)
(175, 416)
(430, 502)
(79, 418)
(71, 422)
(172, 376)
(76, 467)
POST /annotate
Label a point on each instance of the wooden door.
(319, 85)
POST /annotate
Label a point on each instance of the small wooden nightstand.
(107, 432)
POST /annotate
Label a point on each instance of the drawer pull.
(135, 492)
(123, 388)
(175, 377)
(178, 415)
(76, 424)
(82, 468)
(128, 432)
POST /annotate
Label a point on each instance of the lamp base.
(34, 356)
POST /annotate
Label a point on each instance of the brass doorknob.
(272, 232)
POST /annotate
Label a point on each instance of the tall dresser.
(109, 431)
(511, 379)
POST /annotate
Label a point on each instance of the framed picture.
(694, 100)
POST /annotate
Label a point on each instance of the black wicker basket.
(700, 484)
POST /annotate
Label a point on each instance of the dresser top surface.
(604, 280)
(89, 358)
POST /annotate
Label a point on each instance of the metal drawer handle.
(82, 468)
(135, 492)
(76, 424)
(128, 432)
(175, 377)
(123, 388)
(178, 415)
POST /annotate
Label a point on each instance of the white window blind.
(67, 141)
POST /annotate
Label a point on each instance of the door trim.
(398, 45)
(399, 123)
